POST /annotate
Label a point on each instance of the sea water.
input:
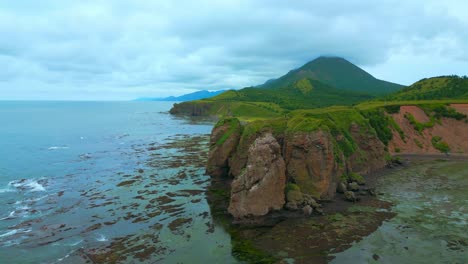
(107, 181)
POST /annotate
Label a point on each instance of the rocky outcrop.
(311, 164)
(198, 108)
(223, 142)
(371, 156)
(260, 187)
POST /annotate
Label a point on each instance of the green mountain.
(336, 72)
(323, 82)
(436, 88)
(303, 93)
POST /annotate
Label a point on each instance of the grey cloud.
(126, 49)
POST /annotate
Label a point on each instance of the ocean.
(104, 181)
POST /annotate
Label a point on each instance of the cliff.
(291, 162)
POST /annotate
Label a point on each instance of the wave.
(102, 238)
(6, 190)
(27, 185)
(85, 156)
(15, 231)
(75, 243)
(10, 216)
(58, 147)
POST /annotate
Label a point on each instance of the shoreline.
(342, 224)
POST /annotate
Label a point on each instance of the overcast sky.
(117, 50)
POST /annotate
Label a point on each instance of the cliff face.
(260, 186)
(261, 164)
(311, 163)
(452, 132)
(292, 161)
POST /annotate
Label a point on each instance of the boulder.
(295, 196)
(353, 186)
(341, 188)
(307, 210)
(260, 187)
(291, 206)
(350, 196)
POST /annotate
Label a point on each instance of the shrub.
(439, 144)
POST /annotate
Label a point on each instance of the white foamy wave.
(75, 243)
(15, 231)
(102, 238)
(10, 216)
(58, 147)
(27, 185)
(5, 190)
(85, 156)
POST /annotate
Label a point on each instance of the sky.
(121, 50)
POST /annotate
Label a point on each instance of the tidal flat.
(418, 215)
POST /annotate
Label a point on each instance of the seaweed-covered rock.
(295, 196)
(341, 188)
(260, 187)
(353, 186)
(350, 196)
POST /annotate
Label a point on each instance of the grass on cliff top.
(377, 104)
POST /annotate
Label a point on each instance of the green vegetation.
(418, 143)
(443, 87)
(234, 125)
(382, 124)
(417, 125)
(336, 72)
(291, 187)
(439, 144)
(357, 178)
(442, 110)
(301, 94)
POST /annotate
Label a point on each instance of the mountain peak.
(336, 72)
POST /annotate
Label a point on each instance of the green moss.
(357, 178)
(439, 144)
(335, 217)
(244, 250)
(291, 187)
(234, 125)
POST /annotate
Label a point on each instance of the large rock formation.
(260, 187)
(224, 139)
(311, 164)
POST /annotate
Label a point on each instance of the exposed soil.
(461, 108)
(452, 131)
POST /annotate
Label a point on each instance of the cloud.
(126, 49)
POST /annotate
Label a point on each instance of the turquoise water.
(104, 181)
(431, 202)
